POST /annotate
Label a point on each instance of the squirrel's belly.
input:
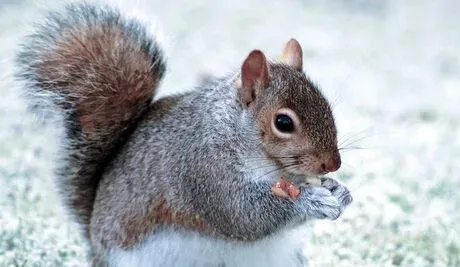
(184, 249)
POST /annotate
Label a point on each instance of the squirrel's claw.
(338, 190)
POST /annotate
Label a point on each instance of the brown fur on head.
(294, 119)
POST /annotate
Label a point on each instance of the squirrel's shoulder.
(204, 97)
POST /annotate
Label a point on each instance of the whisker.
(271, 165)
(290, 167)
(263, 167)
(275, 170)
(268, 159)
(276, 157)
(361, 135)
(346, 137)
(353, 142)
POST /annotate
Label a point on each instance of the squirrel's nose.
(332, 162)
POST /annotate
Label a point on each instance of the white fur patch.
(170, 248)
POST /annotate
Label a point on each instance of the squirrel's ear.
(292, 54)
(255, 76)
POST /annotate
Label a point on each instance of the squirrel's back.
(101, 71)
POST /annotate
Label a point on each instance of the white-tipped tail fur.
(100, 71)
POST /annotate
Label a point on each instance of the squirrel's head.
(294, 120)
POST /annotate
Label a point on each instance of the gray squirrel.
(184, 180)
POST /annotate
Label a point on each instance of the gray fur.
(200, 149)
(68, 70)
(198, 152)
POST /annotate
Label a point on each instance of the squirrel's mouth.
(305, 170)
(295, 166)
(308, 164)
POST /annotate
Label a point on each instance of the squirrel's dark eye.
(284, 123)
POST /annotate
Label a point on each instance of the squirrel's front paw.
(338, 190)
(319, 202)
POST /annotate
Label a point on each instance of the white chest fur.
(170, 248)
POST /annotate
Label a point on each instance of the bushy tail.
(101, 71)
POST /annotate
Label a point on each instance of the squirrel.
(183, 180)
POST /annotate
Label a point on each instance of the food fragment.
(313, 180)
(294, 191)
(285, 189)
(279, 192)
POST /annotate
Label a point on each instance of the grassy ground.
(391, 68)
